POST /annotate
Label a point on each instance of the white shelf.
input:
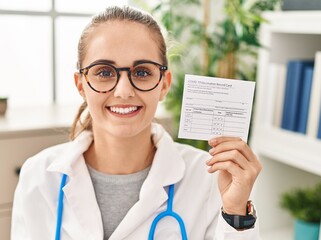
(306, 22)
(288, 147)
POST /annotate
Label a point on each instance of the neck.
(115, 155)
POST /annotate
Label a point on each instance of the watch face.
(250, 210)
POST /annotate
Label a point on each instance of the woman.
(120, 169)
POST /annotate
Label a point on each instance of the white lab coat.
(196, 198)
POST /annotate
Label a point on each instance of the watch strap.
(239, 221)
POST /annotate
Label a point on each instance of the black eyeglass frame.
(85, 71)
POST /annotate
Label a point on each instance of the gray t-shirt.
(115, 195)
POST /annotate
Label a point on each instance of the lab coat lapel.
(80, 197)
(168, 168)
(79, 192)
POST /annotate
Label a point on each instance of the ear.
(79, 84)
(167, 81)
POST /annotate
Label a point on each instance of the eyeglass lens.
(104, 77)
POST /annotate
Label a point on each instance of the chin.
(127, 130)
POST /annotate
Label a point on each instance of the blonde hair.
(114, 13)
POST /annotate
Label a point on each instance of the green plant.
(228, 49)
(303, 204)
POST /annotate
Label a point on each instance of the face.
(125, 111)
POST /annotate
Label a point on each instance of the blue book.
(305, 99)
(294, 82)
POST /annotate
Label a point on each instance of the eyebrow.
(103, 61)
(107, 61)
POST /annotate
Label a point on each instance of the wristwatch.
(240, 222)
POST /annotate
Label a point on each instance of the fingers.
(232, 156)
(232, 149)
(229, 166)
(230, 144)
(215, 141)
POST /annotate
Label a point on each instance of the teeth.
(123, 110)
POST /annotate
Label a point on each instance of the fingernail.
(212, 141)
(211, 151)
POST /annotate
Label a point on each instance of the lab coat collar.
(167, 168)
(68, 160)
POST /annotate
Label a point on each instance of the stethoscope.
(168, 213)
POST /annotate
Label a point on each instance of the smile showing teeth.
(123, 110)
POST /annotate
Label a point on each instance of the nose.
(124, 89)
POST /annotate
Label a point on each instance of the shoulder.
(41, 173)
(34, 175)
(35, 182)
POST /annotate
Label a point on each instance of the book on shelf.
(315, 102)
(304, 102)
(293, 93)
(271, 89)
(277, 77)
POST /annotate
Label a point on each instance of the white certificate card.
(214, 107)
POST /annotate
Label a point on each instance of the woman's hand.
(239, 169)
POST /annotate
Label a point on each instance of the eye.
(141, 73)
(105, 73)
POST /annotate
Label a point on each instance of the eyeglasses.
(103, 77)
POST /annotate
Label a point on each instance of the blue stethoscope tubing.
(168, 213)
(60, 207)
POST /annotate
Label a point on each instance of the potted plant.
(3, 105)
(305, 206)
